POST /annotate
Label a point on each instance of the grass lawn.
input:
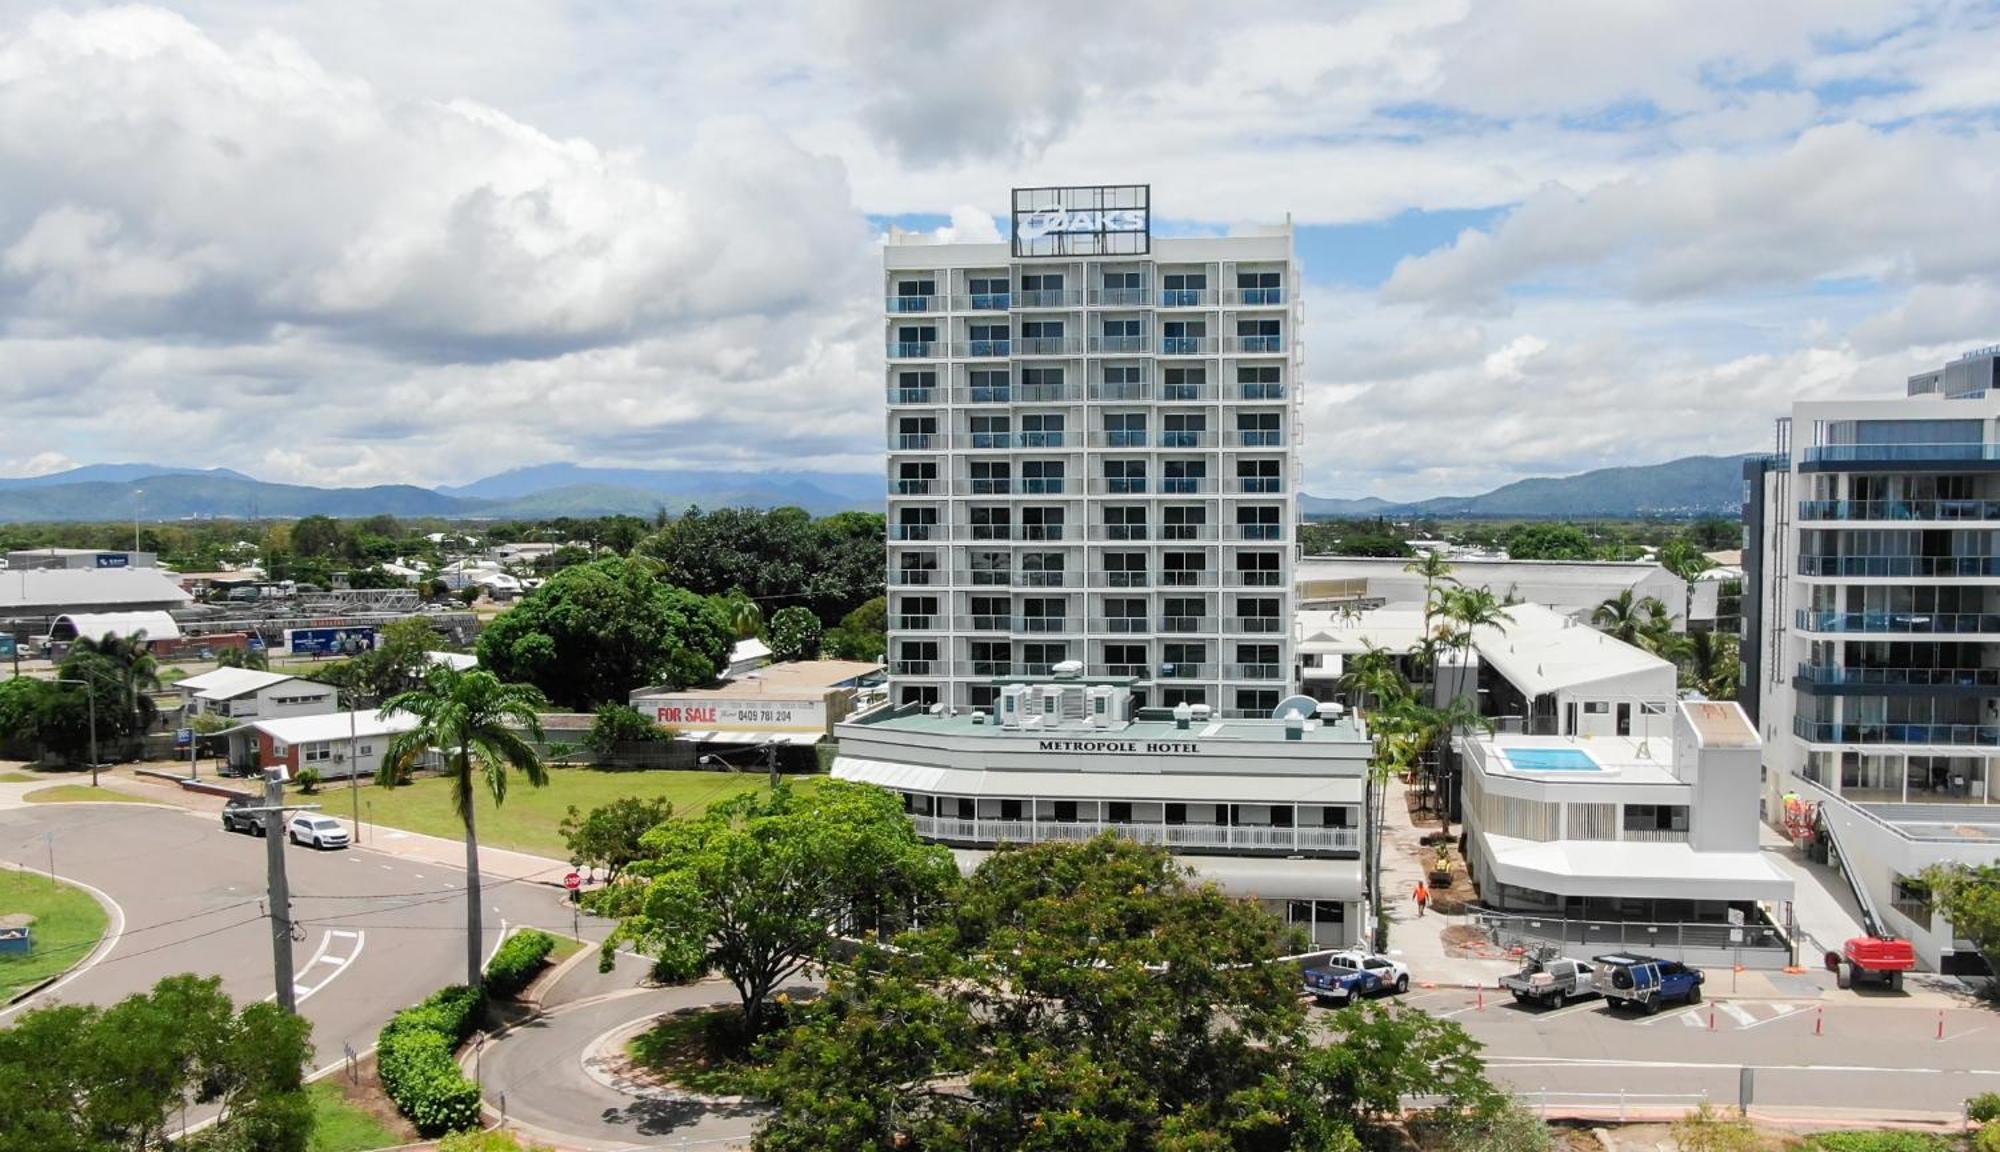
(80, 794)
(529, 820)
(678, 1050)
(68, 924)
(19, 777)
(340, 1125)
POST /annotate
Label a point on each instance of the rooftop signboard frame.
(1092, 220)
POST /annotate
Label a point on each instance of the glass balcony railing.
(1258, 485)
(1896, 732)
(1253, 625)
(1119, 486)
(912, 667)
(1121, 345)
(986, 302)
(1177, 671)
(1892, 453)
(1185, 577)
(1257, 438)
(1180, 438)
(1041, 624)
(915, 349)
(1118, 579)
(1121, 297)
(1262, 391)
(1048, 298)
(1135, 671)
(915, 532)
(1187, 345)
(1254, 345)
(1906, 567)
(1835, 675)
(917, 441)
(1180, 393)
(1119, 624)
(1124, 390)
(1185, 624)
(1808, 620)
(1118, 532)
(1042, 485)
(1255, 532)
(1187, 532)
(911, 305)
(983, 349)
(1122, 438)
(915, 577)
(1047, 346)
(989, 486)
(899, 395)
(1254, 297)
(1187, 298)
(915, 487)
(1186, 485)
(1252, 672)
(1899, 509)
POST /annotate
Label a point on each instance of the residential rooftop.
(790, 679)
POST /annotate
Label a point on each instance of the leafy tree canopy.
(610, 836)
(596, 631)
(1968, 895)
(1548, 541)
(778, 557)
(863, 633)
(795, 634)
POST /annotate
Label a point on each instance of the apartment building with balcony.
(1092, 456)
(1871, 633)
(1268, 809)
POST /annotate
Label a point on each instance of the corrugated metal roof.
(1174, 787)
(48, 591)
(229, 683)
(97, 625)
(332, 726)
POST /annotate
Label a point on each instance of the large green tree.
(596, 631)
(753, 888)
(481, 728)
(795, 634)
(1548, 541)
(1094, 997)
(779, 557)
(123, 674)
(611, 836)
(1968, 895)
(863, 633)
(78, 1078)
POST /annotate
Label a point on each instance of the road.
(379, 932)
(1815, 1054)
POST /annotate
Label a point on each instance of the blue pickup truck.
(1347, 975)
(1648, 983)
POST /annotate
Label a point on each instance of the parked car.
(1647, 982)
(1552, 981)
(316, 830)
(236, 816)
(1346, 975)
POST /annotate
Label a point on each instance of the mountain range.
(1695, 485)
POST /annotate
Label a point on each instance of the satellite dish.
(1305, 706)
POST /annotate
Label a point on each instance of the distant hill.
(1690, 486)
(113, 474)
(183, 495)
(569, 489)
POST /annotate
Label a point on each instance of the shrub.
(413, 1058)
(1877, 1142)
(493, 1140)
(1708, 1129)
(1988, 1139)
(307, 780)
(1984, 1107)
(516, 962)
(1506, 1128)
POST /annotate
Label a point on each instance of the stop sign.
(573, 881)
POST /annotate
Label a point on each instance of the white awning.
(751, 739)
(1670, 871)
(1168, 787)
(1253, 877)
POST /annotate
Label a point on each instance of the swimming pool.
(1551, 760)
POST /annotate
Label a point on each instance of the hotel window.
(1124, 280)
(916, 387)
(990, 523)
(1010, 810)
(968, 809)
(1334, 816)
(1044, 614)
(1183, 522)
(988, 386)
(1041, 524)
(1124, 477)
(1281, 814)
(1126, 329)
(1125, 522)
(1183, 289)
(992, 658)
(1182, 429)
(915, 339)
(1039, 658)
(916, 658)
(1041, 430)
(1183, 383)
(916, 432)
(914, 295)
(1038, 384)
(1042, 282)
(1256, 701)
(1170, 697)
(1125, 569)
(915, 477)
(986, 339)
(916, 613)
(1183, 655)
(1257, 661)
(1257, 429)
(1258, 614)
(1125, 429)
(990, 568)
(1258, 569)
(1261, 381)
(916, 523)
(1065, 811)
(1259, 522)
(1042, 477)
(1032, 330)
(1124, 382)
(990, 477)
(917, 568)
(1656, 818)
(1126, 659)
(990, 431)
(988, 291)
(1125, 614)
(982, 695)
(1257, 477)
(1183, 569)
(1176, 814)
(1182, 337)
(1260, 287)
(1043, 569)
(1183, 614)
(1260, 335)
(1182, 477)
(1118, 812)
(315, 753)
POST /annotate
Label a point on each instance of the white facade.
(1268, 809)
(1092, 458)
(1872, 630)
(1570, 587)
(247, 694)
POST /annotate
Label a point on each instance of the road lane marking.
(1743, 1016)
(340, 963)
(1596, 1062)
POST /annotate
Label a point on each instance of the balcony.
(1118, 533)
(990, 349)
(1253, 672)
(1187, 532)
(1119, 438)
(1257, 438)
(1188, 837)
(1187, 298)
(1043, 485)
(1042, 624)
(915, 667)
(1187, 671)
(1048, 298)
(1263, 533)
(1188, 393)
(983, 668)
(914, 577)
(912, 305)
(1833, 675)
(1253, 297)
(1121, 297)
(915, 349)
(1121, 345)
(1120, 579)
(917, 442)
(1257, 486)
(1187, 345)
(914, 487)
(982, 623)
(913, 395)
(1123, 390)
(1654, 835)
(991, 486)
(1254, 345)
(1048, 346)
(1119, 486)
(1253, 625)
(1120, 624)
(1261, 391)
(1187, 486)
(1893, 732)
(1182, 625)
(1253, 579)
(1135, 671)
(916, 532)
(984, 302)
(1187, 578)
(1186, 438)
(1964, 451)
(1959, 623)
(908, 623)
(1899, 510)
(1906, 567)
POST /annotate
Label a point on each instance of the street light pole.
(353, 766)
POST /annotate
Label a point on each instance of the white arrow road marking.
(1743, 1016)
(353, 941)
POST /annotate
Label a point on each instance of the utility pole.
(771, 759)
(280, 894)
(353, 763)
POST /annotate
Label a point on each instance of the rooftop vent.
(1182, 714)
(1067, 669)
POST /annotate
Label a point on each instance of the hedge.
(516, 962)
(413, 1058)
(1878, 1142)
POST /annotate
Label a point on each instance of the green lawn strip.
(339, 1125)
(20, 778)
(677, 1050)
(530, 819)
(565, 948)
(81, 794)
(68, 924)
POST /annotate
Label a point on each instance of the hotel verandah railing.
(1261, 838)
(1753, 945)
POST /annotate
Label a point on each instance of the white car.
(316, 830)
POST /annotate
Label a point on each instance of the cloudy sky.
(357, 242)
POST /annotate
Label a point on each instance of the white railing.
(1259, 838)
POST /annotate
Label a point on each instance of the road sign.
(183, 737)
(573, 881)
(6, 647)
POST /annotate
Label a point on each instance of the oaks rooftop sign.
(1095, 220)
(1121, 747)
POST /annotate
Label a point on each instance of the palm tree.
(1434, 729)
(1711, 667)
(124, 675)
(1436, 571)
(1470, 609)
(477, 723)
(251, 658)
(745, 617)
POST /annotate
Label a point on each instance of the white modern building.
(1091, 435)
(1268, 809)
(247, 694)
(1645, 841)
(1871, 634)
(1571, 587)
(335, 744)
